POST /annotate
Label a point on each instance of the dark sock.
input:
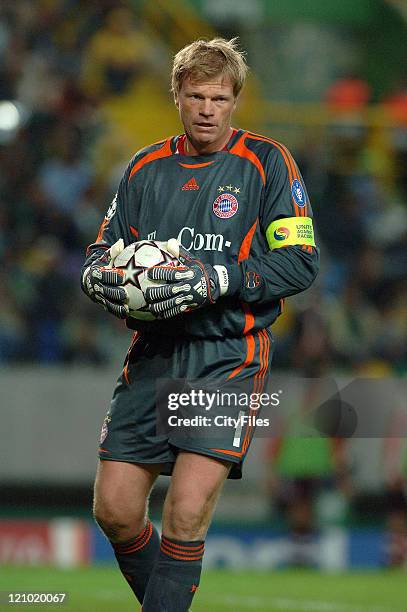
(137, 557)
(175, 577)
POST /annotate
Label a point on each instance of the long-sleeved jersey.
(245, 207)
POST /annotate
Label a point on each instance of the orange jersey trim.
(291, 166)
(264, 356)
(102, 229)
(203, 165)
(245, 446)
(245, 247)
(244, 252)
(136, 336)
(164, 151)
(264, 346)
(134, 231)
(227, 452)
(249, 356)
(261, 368)
(248, 318)
(241, 150)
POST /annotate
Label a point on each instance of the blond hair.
(206, 59)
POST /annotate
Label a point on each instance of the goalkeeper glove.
(102, 283)
(191, 285)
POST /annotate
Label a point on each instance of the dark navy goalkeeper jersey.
(245, 206)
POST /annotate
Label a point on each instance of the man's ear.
(176, 100)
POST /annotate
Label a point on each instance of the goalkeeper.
(237, 205)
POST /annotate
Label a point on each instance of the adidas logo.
(190, 185)
(201, 288)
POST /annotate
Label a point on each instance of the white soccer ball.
(135, 260)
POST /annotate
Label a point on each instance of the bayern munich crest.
(225, 205)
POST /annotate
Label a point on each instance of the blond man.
(232, 199)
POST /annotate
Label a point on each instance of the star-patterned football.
(135, 260)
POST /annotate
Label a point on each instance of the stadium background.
(83, 85)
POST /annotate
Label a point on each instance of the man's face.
(206, 108)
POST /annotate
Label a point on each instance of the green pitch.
(104, 590)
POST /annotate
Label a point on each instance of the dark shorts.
(156, 367)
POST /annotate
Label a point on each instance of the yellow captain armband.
(289, 231)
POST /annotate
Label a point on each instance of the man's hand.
(191, 285)
(102, 284)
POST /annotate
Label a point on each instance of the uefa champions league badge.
(226, 204)
(298, 193)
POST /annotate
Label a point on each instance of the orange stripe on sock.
(137, 543)
(167, 542)
(187, 553)
(180, 558)
(135, 548)
(181, 548)
(136, 539)
(179, 555)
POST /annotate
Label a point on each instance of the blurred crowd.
(58, 61)
(58, 64)
(355, 318)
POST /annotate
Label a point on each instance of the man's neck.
(191, 149)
